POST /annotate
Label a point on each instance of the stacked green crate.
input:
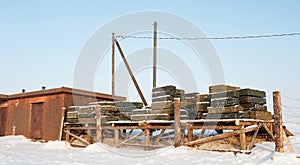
(203, 102)
(126, 108)
(225, 105)
(254, 103)
(190, 104)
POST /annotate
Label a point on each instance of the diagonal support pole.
(131, 74)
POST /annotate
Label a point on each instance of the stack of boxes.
(162, 107)
(203, 101)
(228, 102)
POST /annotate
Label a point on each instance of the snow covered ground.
(19, 150)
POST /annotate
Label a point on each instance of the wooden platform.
(123, 137)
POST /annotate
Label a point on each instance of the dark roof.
(63, 90)
(3, 97)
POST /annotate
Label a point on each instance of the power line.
(212, 38)
(291, 98)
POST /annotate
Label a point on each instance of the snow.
(19, 150)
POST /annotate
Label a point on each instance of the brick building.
(39, 114)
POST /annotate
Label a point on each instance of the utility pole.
(154, 53)
(113, 66)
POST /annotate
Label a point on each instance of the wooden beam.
(77, 137)
(147, 139)
(253, 138)
(67, 135)
(278, 122)
(131, 74)
(290, 147)
(243, 140)
(201, 135)
(132, 138)
(98, 125)
(222, 136)
(268, 130)
(190, 135)
(116, 137)
(159, 136)
(177, 130)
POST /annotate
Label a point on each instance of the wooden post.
(177, 130)
(98, 125)
(278, 122)
(147, 139)
(116, 136)
(113, 66)
(243, 140)
(190, 134)
(154, 53)
(67, 135)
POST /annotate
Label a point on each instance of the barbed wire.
(211, 38)
(291, 98)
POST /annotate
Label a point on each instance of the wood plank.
(159, 136)
(190, 135)
(147, 139)
(268, 130)
(222, 136)
(77, 137)
(243, 140)
(290, 147)
(116, 137)
(132, 138)
(253, 138)
(98, 125)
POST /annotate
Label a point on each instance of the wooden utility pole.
(278, 122)
(113, 66)
(131, 74)
(177, 130)
(154, 53)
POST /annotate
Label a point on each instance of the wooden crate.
(150, 117)
(162, 105)
(141, 111)
(164, 88)
(252, 100)
(203, 97)
(163, 98)
(262, 115)
(163, 111)
(222, 88)
(202, 106)
(254, 107)
(235, 115)
(224, 102)
(230, 109)
(251, 92)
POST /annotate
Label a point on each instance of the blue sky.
(40, 40)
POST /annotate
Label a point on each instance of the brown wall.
(19, 113)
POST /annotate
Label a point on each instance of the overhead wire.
(211, 38)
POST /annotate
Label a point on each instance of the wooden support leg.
(201, 135)
(159, 136)
(147, 139)
(190, 135)
(116, 136)
(243, 140)
(253, 138)
(67, 135)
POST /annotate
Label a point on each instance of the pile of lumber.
(110, 111)
(162, 107)
(237, 103)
